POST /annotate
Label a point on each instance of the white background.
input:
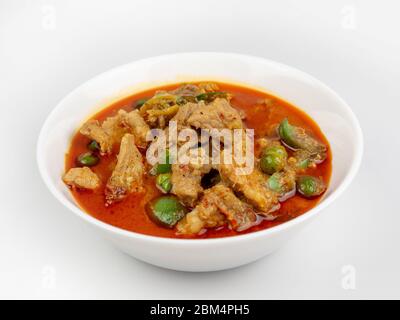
(47, 48)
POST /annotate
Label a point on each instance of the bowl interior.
(332, 115)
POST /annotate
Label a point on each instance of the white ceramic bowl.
(335, 118)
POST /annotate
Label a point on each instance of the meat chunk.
(239, 214)
(218, 114)
(218, 205)
(82, 178)
(184, 113)
(127, 176)
(208, 87)
(111, 131)
(192, 90)
(115, 127)
(93, 130)
(106, 134)
(253, 186)
(138, 126)
(204, 215)
(186, 178)
(187, 90)
(186, 183)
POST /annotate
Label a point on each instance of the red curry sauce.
(130, 213)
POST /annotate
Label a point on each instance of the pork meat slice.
(253, 186)
(218, 114)
(218, 206)
(188, 89)
(127, 176)
(106, 134)
(184, 113)
(114, 126)
(93, 130)
(186, 183)
(204, 215)
(111, 131)
(240, 215)
(186, 178)
(82, 178)
(138, 126)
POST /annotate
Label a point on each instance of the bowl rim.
(359, 147)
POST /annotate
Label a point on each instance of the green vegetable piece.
(87, 159)
(166, 211)
(287, 133)
(164, 167)
(273, 159)
(181, 100)
(160, 100)
(140, 102)
(93, 146)
(297, 138)
(274, 183)
(210, 96)
(163, 182)
(310, 186)
(304, 164)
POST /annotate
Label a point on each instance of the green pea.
(164, 167)
(273, 159)
(166, 211)
(93, 146)
(139, 103)
(87, 159)
(163, 182)
(310, 186)
(274, 183)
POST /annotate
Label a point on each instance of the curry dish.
(111, 177)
